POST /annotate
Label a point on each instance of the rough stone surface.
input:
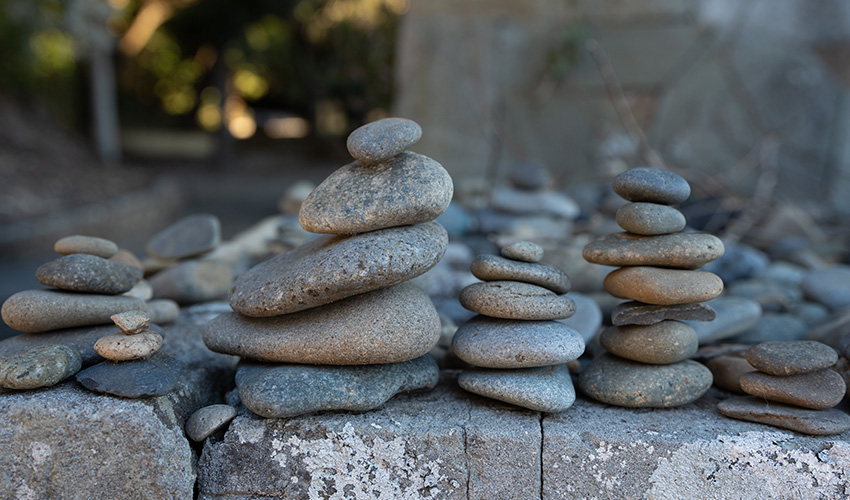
(659, 286)
(727, 370)
(638, 313)
(814, 390)
(44, 310)
(330, 268)
(389, 325)
(659, 344)
(383, 139)
(88, 273)
(652, 185)
(404, 190)
(207, 420)
(123, 347)
(650, 219)
(621, 382)
(679, 250)
(733, 316)
(505, 343)
(131, 322)
(817, 422)
(163, 311)
(495, 268)
(515, 300)
(188, 237)
(829, 286)
(155, 376)
(193, 281)
(523, 251)
(91, 245)
(547, 389)
(40, 366)
(791, 358)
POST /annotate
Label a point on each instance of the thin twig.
(765, 185)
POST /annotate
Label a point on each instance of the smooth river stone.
(154, 376)
(621, 382)
(791, 358)
(389, 325)
(829, 285)
(40, 366)
(495, 268)
(734, 315)
(81, 272)
(404, 190)
(44, 310)
(524, 251)
(123, 347)
(330, 268)
(79, 339)
(382, 139)
(659, 344)
(188, 237)
(679, 250)
(650, 219)
(506, 343)
(193, 281)
(278, 391)
(515, 300)
(727, 370)
(816, 422)
(651, 185)
(638, 313)
(814, 390)
(548, 389)
(207, 420)
(91, 245)
(658, 286)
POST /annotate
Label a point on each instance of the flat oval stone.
(621, 382)
(791, 358)
(131, 322)
(650, 219)
(659, 344)
(80, 339)
(651, 185)
(638, 313)
(193, 281)
(207, 420)
(733, 316)
(829, 285)
(123, 347)
(91, 245)
(679, 250)
(815, 422)
(774, 327)
(330, 268)
(124, 256)
(389, 325)
(287, 390)
(495, 268)
(81, 272)
(548, 389)
(163, 311)
(44, 310)
(407, 189)
(523, 251)
(515, 300)
(40, 366)
(659, 286)
(506, 343)
(154, 376)
(814, 390)
(382, 139)
(727, 370)
(188, 237)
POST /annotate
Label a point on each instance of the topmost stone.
(651, 185)
(382, 139)
(188, 237)
(86, 244)
(524, 251)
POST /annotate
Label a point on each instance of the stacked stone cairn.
(518, 348)
(334, 324)
(648, 347)
(794, 388)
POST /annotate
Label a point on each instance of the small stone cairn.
(334, 324)
(648, 347)
(518, 348)
(794, 388)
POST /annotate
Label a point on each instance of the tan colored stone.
(659, 344)
(659, 286)
(678, 250)
(121, 347)
(131, 322)
(815, 390)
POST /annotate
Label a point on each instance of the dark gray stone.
(650, 219)
(515, 300)
(188, 237)
(829, 286)
(659, 286)
(91, 245)
(88, 273)
(638, 313)
(816, 390)
(816, 422)
(678, 250)
(733, 316)
(774, 327)
(791, 358)
(40, 366)
(659, 344)
(383, 139)
(524, 251)
(495, 268)
(45, 310)
(155, 376)
(208, 420)
(651, 185)
(193, 281)
(548, 389)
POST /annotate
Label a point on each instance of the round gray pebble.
(650, 219)
(659, 344)
(524, 251)
(88, 273)
(791, 358)
(383, 139)
(651, 185)
(207, 420)
(514, 300)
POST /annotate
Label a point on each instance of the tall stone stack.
(334, 324)
(648, 347)
(517, 347)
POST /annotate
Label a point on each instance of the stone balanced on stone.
(648, 347)
(793, 388)
(334, 324)
(518, 348)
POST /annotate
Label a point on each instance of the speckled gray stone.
(548, 389)
(40, 366)
(515, 300)
(727, 370)
(389, 325)
(131, 322)
(44, 310)
(88, 273)
(207, 420)
(816, 422)
(621, 382)
(193, 281)
(817, 390)
(154, 376)
(651, 185)
(286, 390)
(679, 250)
(80, 339)
(406, 189)
(382, 139)
(653, 285)
(650, 219)
(123, 347)
(829, 286)
(91, 245)
(791, 358)
(506, 343)
(638, 313)
(659, 344)
(524, 251)
(163, 311)
(495, 268)
(188, 237)
(330, 268)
